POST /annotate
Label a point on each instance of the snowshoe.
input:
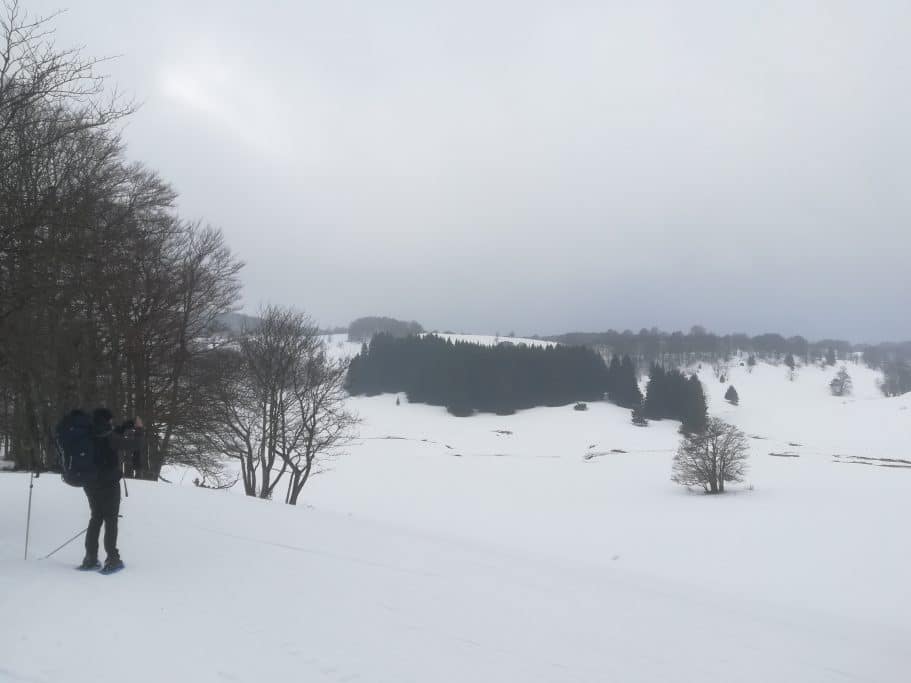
(112, 566)
(89, 564)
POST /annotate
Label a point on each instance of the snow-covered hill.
(545, 546)
(220, 587)
(801, 410)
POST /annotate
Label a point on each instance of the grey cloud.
(538, 166)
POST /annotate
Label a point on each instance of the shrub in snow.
(712, 457)
(841, 384)
(580, 406)
(731, 396)
(460, 410)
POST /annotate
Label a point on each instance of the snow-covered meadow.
(549, 545)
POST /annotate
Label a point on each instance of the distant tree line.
(650, 346)
(466, 377)
(363, 329)
(887, 352)
(895, 362)
(679, 348)
(896, 377)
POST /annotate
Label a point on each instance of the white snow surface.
(519, 548)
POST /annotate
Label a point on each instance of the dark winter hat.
(102, 416)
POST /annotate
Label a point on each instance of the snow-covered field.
(545, 546)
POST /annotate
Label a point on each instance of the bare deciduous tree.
(326, 424)
(105, 294)
(711, 458)
(58, 89)
(280, 409)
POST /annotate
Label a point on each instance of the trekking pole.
(28, 519)
(126, 491)
(62, 546)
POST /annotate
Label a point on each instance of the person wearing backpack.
(90, 458)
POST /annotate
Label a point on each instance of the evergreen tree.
(841, 384)
(656, 394)
(671, 395)
(613, 374)
(695, 415)
(625, 391)
(830, 356)
(789, 361)
(731, 396)
(638, 417)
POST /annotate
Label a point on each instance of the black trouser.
(104, 502)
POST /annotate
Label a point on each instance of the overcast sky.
(537, 167)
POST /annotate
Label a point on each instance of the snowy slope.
(803, 411)
(553, 486)
(219, 587)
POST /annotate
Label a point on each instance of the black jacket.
(108, 446)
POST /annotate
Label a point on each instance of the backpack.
(76, 449)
